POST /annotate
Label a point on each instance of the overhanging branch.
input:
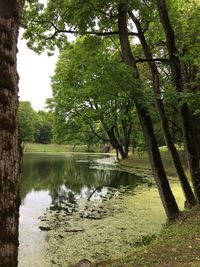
(70, 31)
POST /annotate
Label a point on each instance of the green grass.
(141, 161)
(53, 148)
(178, 245)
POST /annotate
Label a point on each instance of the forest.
(129, 78)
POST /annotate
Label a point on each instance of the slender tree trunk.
(116, 144)
(190, 198)
(164, 189)
(9, 144)
(186, 117)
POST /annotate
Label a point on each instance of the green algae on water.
(125, 218)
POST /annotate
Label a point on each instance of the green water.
(133, 211)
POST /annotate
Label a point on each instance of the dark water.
(69, 176)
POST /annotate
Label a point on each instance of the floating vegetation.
(107, 225)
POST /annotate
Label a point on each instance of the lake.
(78, 206)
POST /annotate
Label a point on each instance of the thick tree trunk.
(190, 198)
(186, 117)
(164, 189)
(9, 144)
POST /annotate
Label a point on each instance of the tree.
(185, 113)
(27, 121)
(99, 89)
(34, 126)
(9, 146)
(164, 189)
(102, 19)
(43, 129)
(161, 110)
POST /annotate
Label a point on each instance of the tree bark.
(190, 198)
(185, 114)
(9, 138)
(164, 189)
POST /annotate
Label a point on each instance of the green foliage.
(43, 136)
(92, 89)
(27, 121)
(80, 70)
(34, 126)
(58, 18)
(43, 133)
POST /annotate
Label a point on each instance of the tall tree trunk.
(164, 189)
(9, 144)
(190, 198)
(186, 117)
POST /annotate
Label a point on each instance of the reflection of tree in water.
(67, 179)
(40, 173)
(46, 172)
(63, 195)
(124, 178)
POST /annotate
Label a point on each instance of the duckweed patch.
(104, 228)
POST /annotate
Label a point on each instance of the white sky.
(34, 72)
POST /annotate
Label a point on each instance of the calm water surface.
(52, 179)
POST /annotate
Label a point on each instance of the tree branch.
(97, 135)
(141, 60)
(70, 31)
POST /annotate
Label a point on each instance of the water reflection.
(68, 177)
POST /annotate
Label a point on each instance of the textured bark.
(9, 145)
(190, 198)
(190, 143)
(164, 189)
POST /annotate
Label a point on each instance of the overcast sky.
(35, 72)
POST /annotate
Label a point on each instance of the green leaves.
(27, 121)
(91, 82)
(34, 126)
(49, 27)
(92, 87)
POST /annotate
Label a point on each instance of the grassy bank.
(53, 148)
(177, 246)
(141, 161)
